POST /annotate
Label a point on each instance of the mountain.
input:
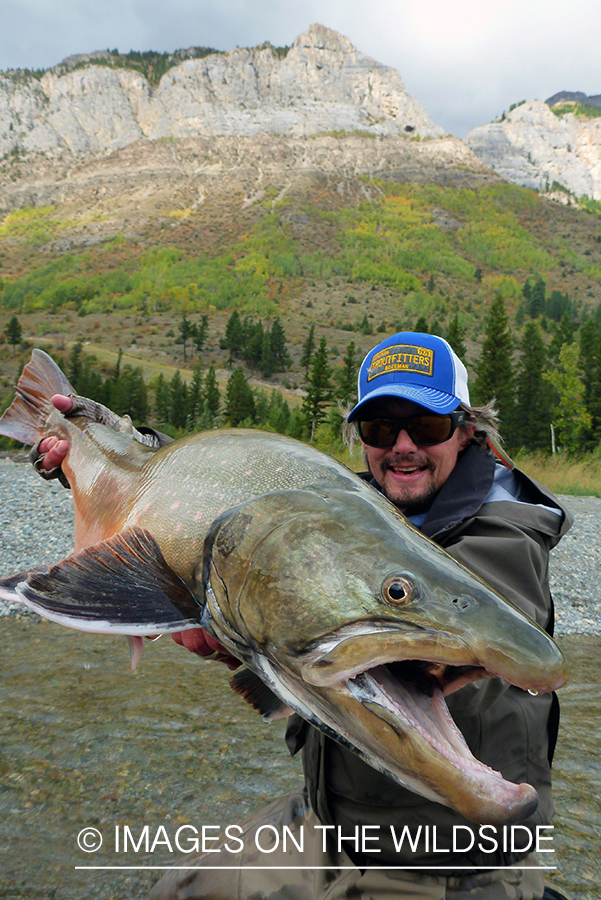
(553, 147)
(321, 83)
(574, 97)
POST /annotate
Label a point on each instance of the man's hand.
(199, 641)
(52, 450)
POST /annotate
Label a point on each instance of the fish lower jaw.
(489, 798)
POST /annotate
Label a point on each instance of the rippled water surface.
(84, 743)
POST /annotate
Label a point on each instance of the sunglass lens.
(379, 432)
(430, 429)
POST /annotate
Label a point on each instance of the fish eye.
(397, 591)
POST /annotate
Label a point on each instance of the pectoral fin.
(260, 697)
(8, 585)
(121, 585)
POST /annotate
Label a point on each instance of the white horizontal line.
(299, 868)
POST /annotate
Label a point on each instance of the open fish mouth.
(409, 698)
(407, 695)
(401, 700)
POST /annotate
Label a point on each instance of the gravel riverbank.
(36, 526)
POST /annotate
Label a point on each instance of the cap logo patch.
(402, 358)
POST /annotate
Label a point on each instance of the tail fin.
(40, 380)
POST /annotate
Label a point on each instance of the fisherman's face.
(410, 474)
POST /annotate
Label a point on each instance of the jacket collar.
(463, 493)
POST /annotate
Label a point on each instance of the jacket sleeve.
(507, 545)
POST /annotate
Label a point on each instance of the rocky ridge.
(535, 148)
(323, 83)
(150, 177)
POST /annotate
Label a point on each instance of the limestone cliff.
(534, 147)
(322, 84)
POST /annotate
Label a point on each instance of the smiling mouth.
(407, 469)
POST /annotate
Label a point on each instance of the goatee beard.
(412, 506)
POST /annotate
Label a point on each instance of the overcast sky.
(465, 61)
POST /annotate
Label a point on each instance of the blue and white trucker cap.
(413, 366)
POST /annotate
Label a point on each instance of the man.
(432, 455)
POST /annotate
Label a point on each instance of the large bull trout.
(339, 608)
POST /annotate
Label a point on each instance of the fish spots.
(198, 516)
(175, 505)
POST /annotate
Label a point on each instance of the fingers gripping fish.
(339, 608)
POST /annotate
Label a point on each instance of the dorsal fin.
(260, 697)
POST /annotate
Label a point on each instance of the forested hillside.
(259, 313)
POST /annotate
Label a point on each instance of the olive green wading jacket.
(503, 535)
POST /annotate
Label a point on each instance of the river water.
(85, 743)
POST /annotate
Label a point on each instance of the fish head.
(362, 625)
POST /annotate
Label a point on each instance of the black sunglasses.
(426, 429)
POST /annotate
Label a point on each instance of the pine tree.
(261, 406)
(319, 390)
(267, 363)
(494, 369)
(211, 397)
(96, 388)
(279, 349)
(535, 303)
(557, 305)
(14, 333)
(533, 393)
(178, 396)
(421, 326)
(195, 402)
(455, 336)
(199, 333)
(234, 335)
(346, 376)
(239, 399)
(75, 369)
(564, 334)
(253, 342)
(366, 327)
(117, 369)
(279, 413)
(129, 395)
(308, 351)
(186, 331)
(162, 400)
